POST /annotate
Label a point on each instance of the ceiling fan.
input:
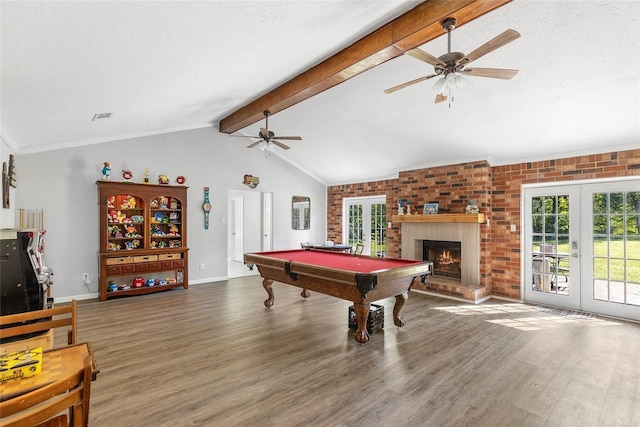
(451, 65)
(266, 137)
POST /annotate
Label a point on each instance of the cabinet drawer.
(167, 265)
(113, 269)
(127, 268)
(145, 258)
(179, 263)
(120, 260)
(154, 266)
(140, 267)
(164, 257)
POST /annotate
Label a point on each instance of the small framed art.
(430, 208)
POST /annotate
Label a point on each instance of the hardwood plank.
(214, 355)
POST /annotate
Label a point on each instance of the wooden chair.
(358, 249)
(62, 403)
(40, 321)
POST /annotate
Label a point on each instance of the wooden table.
(56, 364)
(357, 278)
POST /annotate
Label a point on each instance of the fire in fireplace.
(445, 256)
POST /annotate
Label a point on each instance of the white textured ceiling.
(165, 66)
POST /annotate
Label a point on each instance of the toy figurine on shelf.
(163, 179)
(164, 202)
(181, 180)
(173, 231)
(111, 202)
(106, 170)
(472, 207)
(129, 203)
(145, 178)
(127, 175)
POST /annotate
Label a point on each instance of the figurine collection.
(128, 175)
(126, 222)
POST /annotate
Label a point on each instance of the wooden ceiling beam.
(410, 30)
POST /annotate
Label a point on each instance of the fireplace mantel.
(452, 218)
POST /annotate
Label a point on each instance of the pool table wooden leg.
(400, 300)
(266, 283)
(362, 315)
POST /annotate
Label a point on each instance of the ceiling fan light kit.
(266, 138)
(451, 65)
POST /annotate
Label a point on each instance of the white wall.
(63, 183)
(8, 216)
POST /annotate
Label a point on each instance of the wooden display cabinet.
(143, 238)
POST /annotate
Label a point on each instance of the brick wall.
(497, 192)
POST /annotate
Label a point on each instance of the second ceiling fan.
(266, 137)
(451, 65)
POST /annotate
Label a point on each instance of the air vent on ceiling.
(101, 116)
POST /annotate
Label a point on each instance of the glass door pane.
(616, 247)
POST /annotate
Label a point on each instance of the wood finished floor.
(213, 355)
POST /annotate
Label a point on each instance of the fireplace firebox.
(446, 257)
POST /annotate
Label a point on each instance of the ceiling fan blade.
(254, 144)
(280, 144)
(412, 82)
(290, 138)
(495, 73)
(493, 44)
(440, 98)
(426, 57)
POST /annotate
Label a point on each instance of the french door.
(552, 246)
(582, 247)
(366, 223)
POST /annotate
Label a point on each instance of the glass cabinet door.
(166, 222)
(125, 223)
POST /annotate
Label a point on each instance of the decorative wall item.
(430, 208)
(13, 173)
(472, 207)
(251, 181)
(206, 207)
(181, 180)
(5, 186)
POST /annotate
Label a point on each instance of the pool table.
(358, 278)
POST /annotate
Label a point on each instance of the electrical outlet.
(85, 277)
(202, 266)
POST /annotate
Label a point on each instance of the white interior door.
(237, 227)
(267, 221)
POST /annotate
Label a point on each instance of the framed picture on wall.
(430, 208)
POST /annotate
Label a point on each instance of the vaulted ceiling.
(166, 66)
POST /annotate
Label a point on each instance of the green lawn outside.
(615, 251)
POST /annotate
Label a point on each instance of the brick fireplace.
(454, 248)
